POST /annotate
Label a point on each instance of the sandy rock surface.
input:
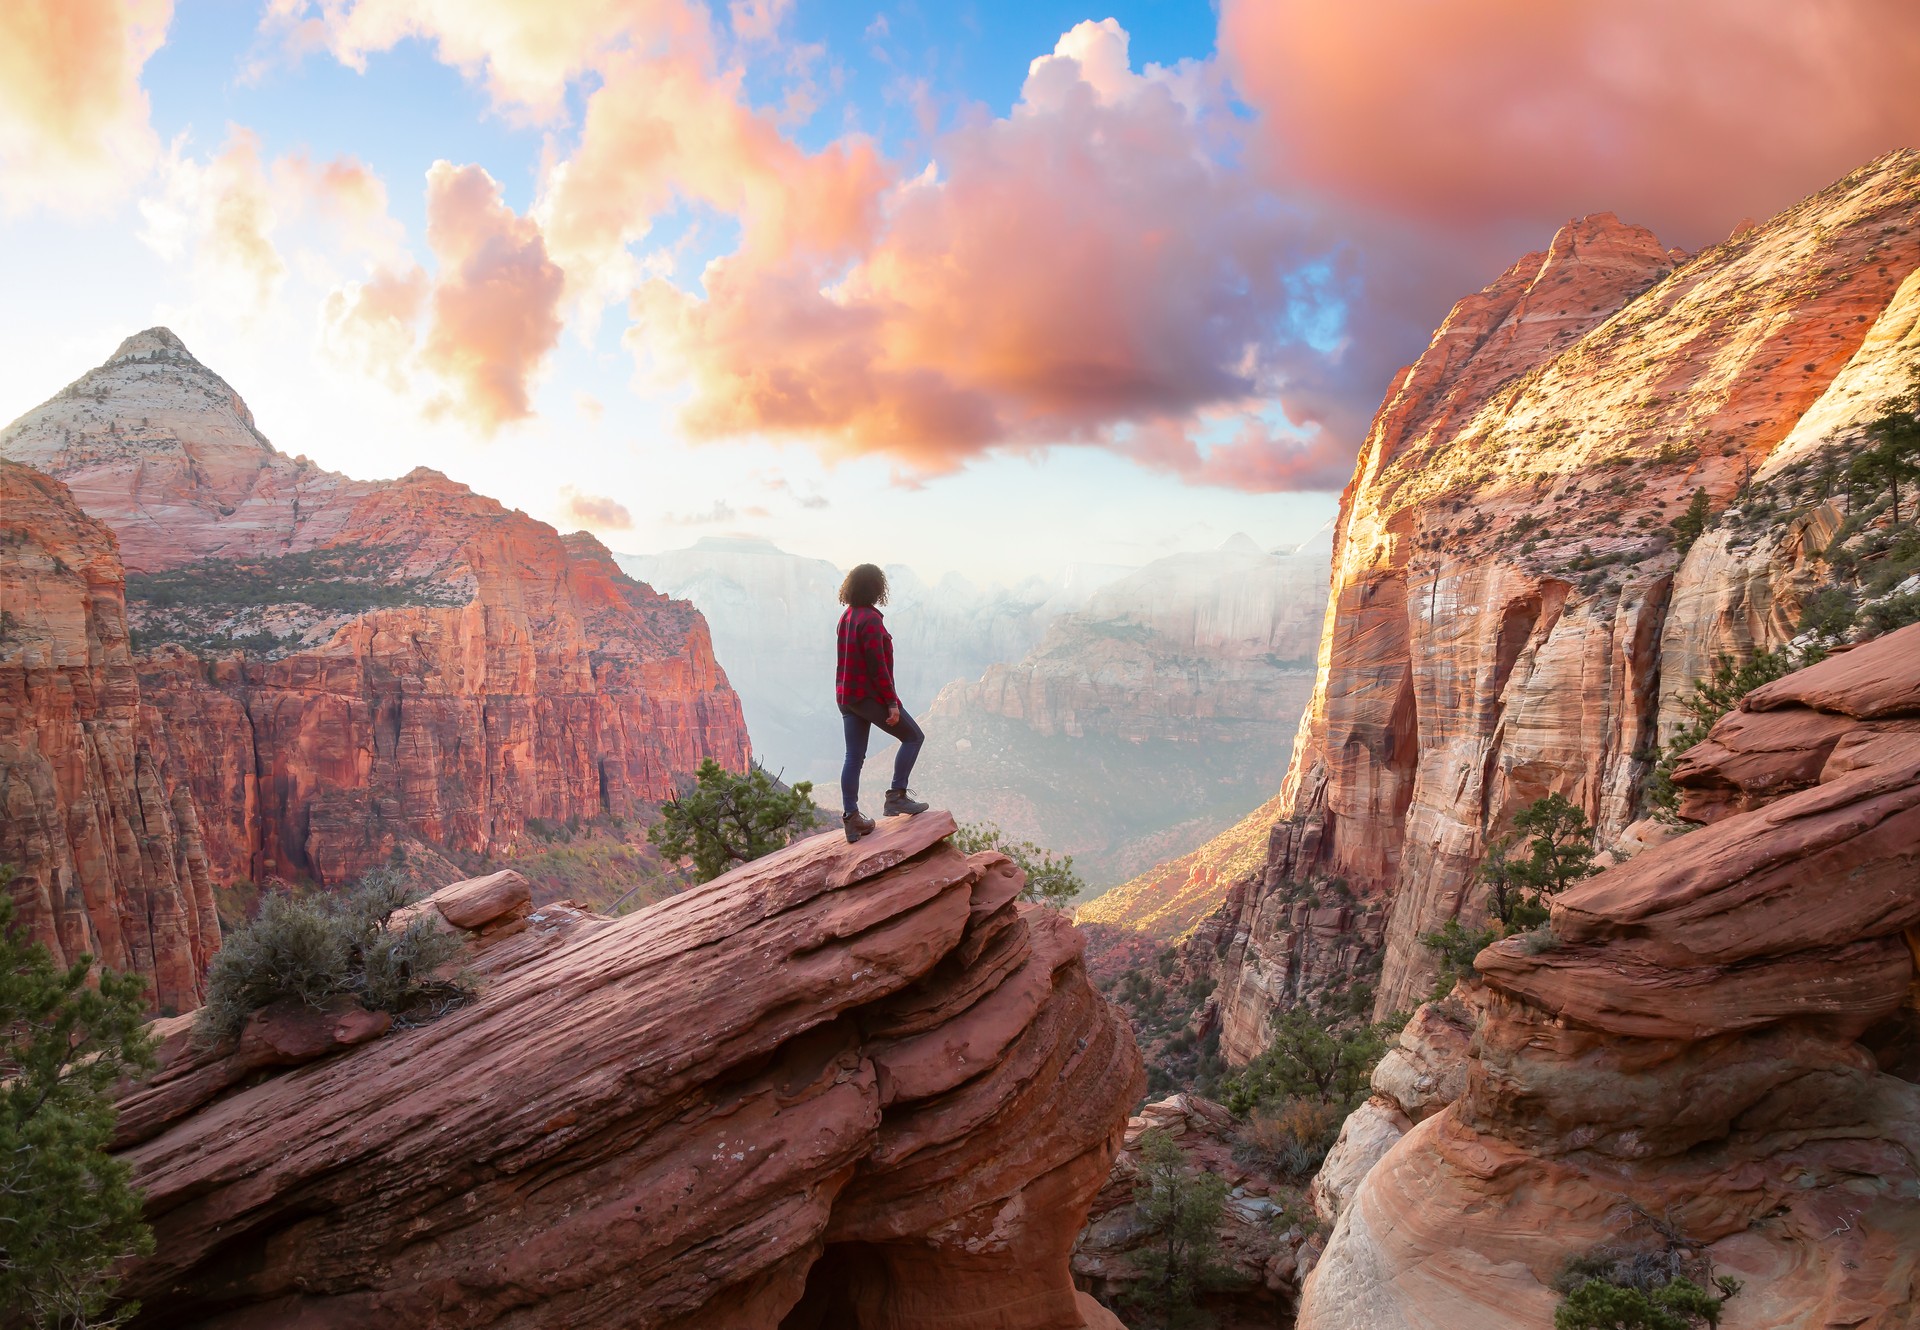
(843, 1085)
(1726, 1035)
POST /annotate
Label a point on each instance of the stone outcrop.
(1509, 615)
(344, 667)
(842, 1086)
(1423, 1072)
(94, 814)
(1271, 949)
(1723, 1034)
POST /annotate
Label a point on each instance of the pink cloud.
(371, 324)
(493, 311)
(1683, 117)
(1081, 264)
(74, 128)
(596, 510)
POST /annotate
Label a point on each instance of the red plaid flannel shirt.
(865, 671)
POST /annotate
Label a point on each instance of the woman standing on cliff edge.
(863, 685)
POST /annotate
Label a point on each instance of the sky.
(976, 287)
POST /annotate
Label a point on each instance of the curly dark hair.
(865, 585)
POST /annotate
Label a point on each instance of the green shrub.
(1558, 852)
(1693, 523)
(1711, 699)
(1598, 1305)
(1307, 1059)
(68, 1210)
(1828, 612)
(1454, 946)
(312, 948)
(1884, 616)
(1181, 1210)
(726, 820)
(1050, 879)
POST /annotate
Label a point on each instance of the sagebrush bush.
(313, 948)
(1290, 1138)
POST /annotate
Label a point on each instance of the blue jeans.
(907, 732)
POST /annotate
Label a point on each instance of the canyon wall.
(899, 1123)
(1510, 616)
(95, 817)
(339, 668)
(1714, 1058)
(1146, 722)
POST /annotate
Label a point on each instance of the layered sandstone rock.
(1423, 1072)
(1508, 616)
(1722, 1034)
(95, 815)
(843, 1086)
(421, 666)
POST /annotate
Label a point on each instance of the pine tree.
(726, 820)
(1692, 524)
(68, 1211)
(1181, 1209)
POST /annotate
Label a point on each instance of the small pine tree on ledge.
(726, 820)
(1520, 886)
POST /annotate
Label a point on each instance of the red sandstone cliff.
(340, 667)
(898, 1124)
(1508, 618)
(93, 814)
(1722, 1033)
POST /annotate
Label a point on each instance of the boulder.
(845, 1085)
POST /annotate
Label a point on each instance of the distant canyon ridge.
(1118, 715)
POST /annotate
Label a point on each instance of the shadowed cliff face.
(336, 668)
(899, 1122)
(93, 810)
(1724, 1034)
(1508, 616)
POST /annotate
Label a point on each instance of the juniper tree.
(729, 819)
(68, 1210)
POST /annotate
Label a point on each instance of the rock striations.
(1509, 616)
(334, 668)
(1723, 1036)
(844, 1086)
(92, 808)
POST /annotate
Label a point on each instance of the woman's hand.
(893, 714)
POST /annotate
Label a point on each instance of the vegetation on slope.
(726, 819)
(216, 605)
(311, 949)
(1521, 884)
(68, 1210)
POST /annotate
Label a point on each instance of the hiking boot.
(856, 825)
(898, 802)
